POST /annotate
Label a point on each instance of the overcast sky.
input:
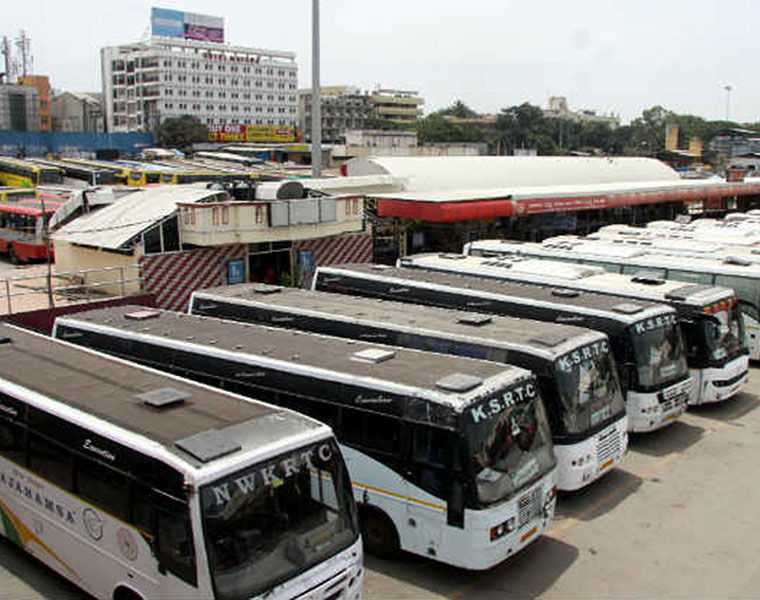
(612, 56)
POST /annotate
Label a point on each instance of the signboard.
(236, 271)
(190, 26)
(251, 133)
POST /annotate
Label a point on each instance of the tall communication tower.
(23, 43)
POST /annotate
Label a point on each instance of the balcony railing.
(272, 220)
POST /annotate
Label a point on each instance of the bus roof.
(110, 389)
(545, 271)
(622, 310)
(408, 372)
(597, 250)
(548, 339)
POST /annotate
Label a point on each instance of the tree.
(181, 132)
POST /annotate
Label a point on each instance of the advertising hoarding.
(190, 26)
(251, 133)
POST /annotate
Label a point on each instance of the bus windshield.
(724, 332)
(510, 442)
(658, 350)
(588, 388)
(271, 521)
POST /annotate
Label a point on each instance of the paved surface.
(677, 518)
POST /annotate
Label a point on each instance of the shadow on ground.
(597, 499)
(525, 575)
(729, 410)
(677, 437)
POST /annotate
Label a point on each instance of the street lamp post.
(316, 96)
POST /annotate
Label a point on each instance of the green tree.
(181, 132)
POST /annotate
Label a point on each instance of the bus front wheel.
(378, 532)
(13, 256)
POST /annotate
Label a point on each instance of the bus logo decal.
(567, 361)
(266, 475)
(102, 452)
(495, 406)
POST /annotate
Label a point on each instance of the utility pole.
(316, 96)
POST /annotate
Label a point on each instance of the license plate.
(528, 534)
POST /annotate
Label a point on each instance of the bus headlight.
(583, 460)
(503, 529)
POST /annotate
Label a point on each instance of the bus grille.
(607, 445)
(529, 506)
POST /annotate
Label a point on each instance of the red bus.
(23, 230)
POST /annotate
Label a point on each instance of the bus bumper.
(653, 411)
(721, 384)
(581, 464)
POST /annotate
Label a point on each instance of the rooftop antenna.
(6, 50)
(23, 43)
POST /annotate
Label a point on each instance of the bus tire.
(124, 593)
(13, 257)
(378, 533)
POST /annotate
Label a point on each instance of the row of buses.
(35, 172)
(434, 407)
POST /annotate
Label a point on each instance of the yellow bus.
(19, 173)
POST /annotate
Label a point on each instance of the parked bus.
(93, 175)
(24, 230)
(583, 399)
(13, 194)
(710, 317)
(15, 172)
(211, 176)
(450, 458)
(120, 172)
(646, 341)
(136, 484)
(735, 272)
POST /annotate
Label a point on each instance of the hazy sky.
(613, 56)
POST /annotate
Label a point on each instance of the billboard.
(190, 26)
(251, 133)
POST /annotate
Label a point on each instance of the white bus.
(450, 458)
(135, 484)
(742, 276)
(646, 341)
(710, 317)
(582, 396)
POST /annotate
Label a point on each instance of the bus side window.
(12, 441)
(175, 542)
(101, 485)
(50, 460)
(376, 433)
(434, 454)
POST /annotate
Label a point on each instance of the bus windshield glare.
(271, 521)
(658, 350)
(724, 333)
(588, 388)
(510, 442)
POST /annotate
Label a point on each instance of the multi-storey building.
(147, 82)
(77, 112)
(42, 83)
(345, 108)
(398, 106)
(558, 109)
(19, 107)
